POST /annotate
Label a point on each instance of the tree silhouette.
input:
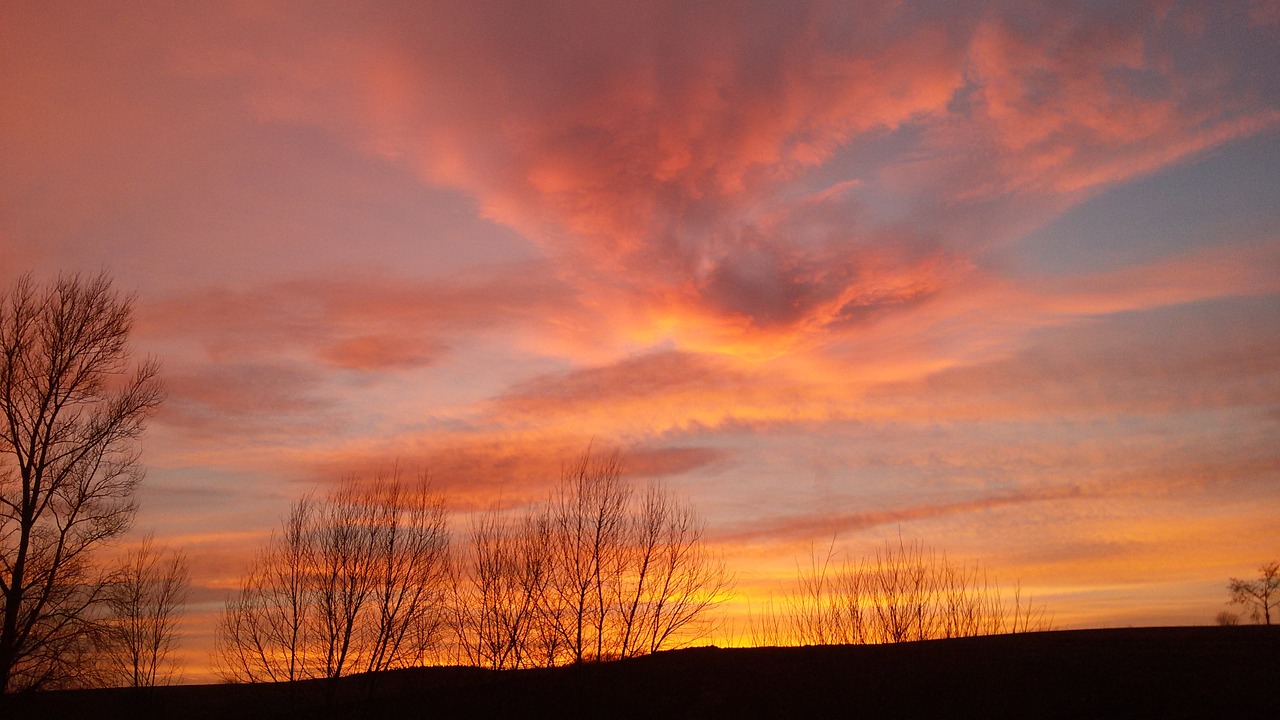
(354, 582)
(499, 607)
(145, 603)
(72, 407)
(1260, 596)
(596, 572)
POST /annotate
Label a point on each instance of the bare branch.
(1260, 596)
(595, 573)
(145, 604)
(72, 407)
(355, 582)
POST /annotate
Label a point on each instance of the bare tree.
(670, 579)
(357, 581)
(587, 515)
(343, 582)
(265, 631)
(74, 405)
(595, 573)
(499, 600)
(1260, 596)
(482, 602)
(145, 604)
(411, 574)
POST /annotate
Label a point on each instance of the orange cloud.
(665, 157)
(615, 168)
(658, 173)
(324, 312)
(488, 467)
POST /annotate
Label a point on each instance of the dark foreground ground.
(1143, 672)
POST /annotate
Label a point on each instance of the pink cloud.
(657, 153)
(480, 470)
(652, 154)
(1098, 371)
(635, 379)
(369, 322)
(377, 352)
(215, 400)
(1122, 479)
(1225, 270)
(615, 167)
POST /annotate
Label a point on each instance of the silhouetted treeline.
(364, 580)
(1186, 672)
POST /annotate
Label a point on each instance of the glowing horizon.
(1002, 278)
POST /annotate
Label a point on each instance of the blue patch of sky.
(860, 161)
(1230, 194)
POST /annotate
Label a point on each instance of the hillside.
(1166, 672)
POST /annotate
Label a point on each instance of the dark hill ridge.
(1137, 672)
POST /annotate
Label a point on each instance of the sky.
(1001, 277)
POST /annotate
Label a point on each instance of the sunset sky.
(1003, 277)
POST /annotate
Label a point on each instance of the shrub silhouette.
(904, 592)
